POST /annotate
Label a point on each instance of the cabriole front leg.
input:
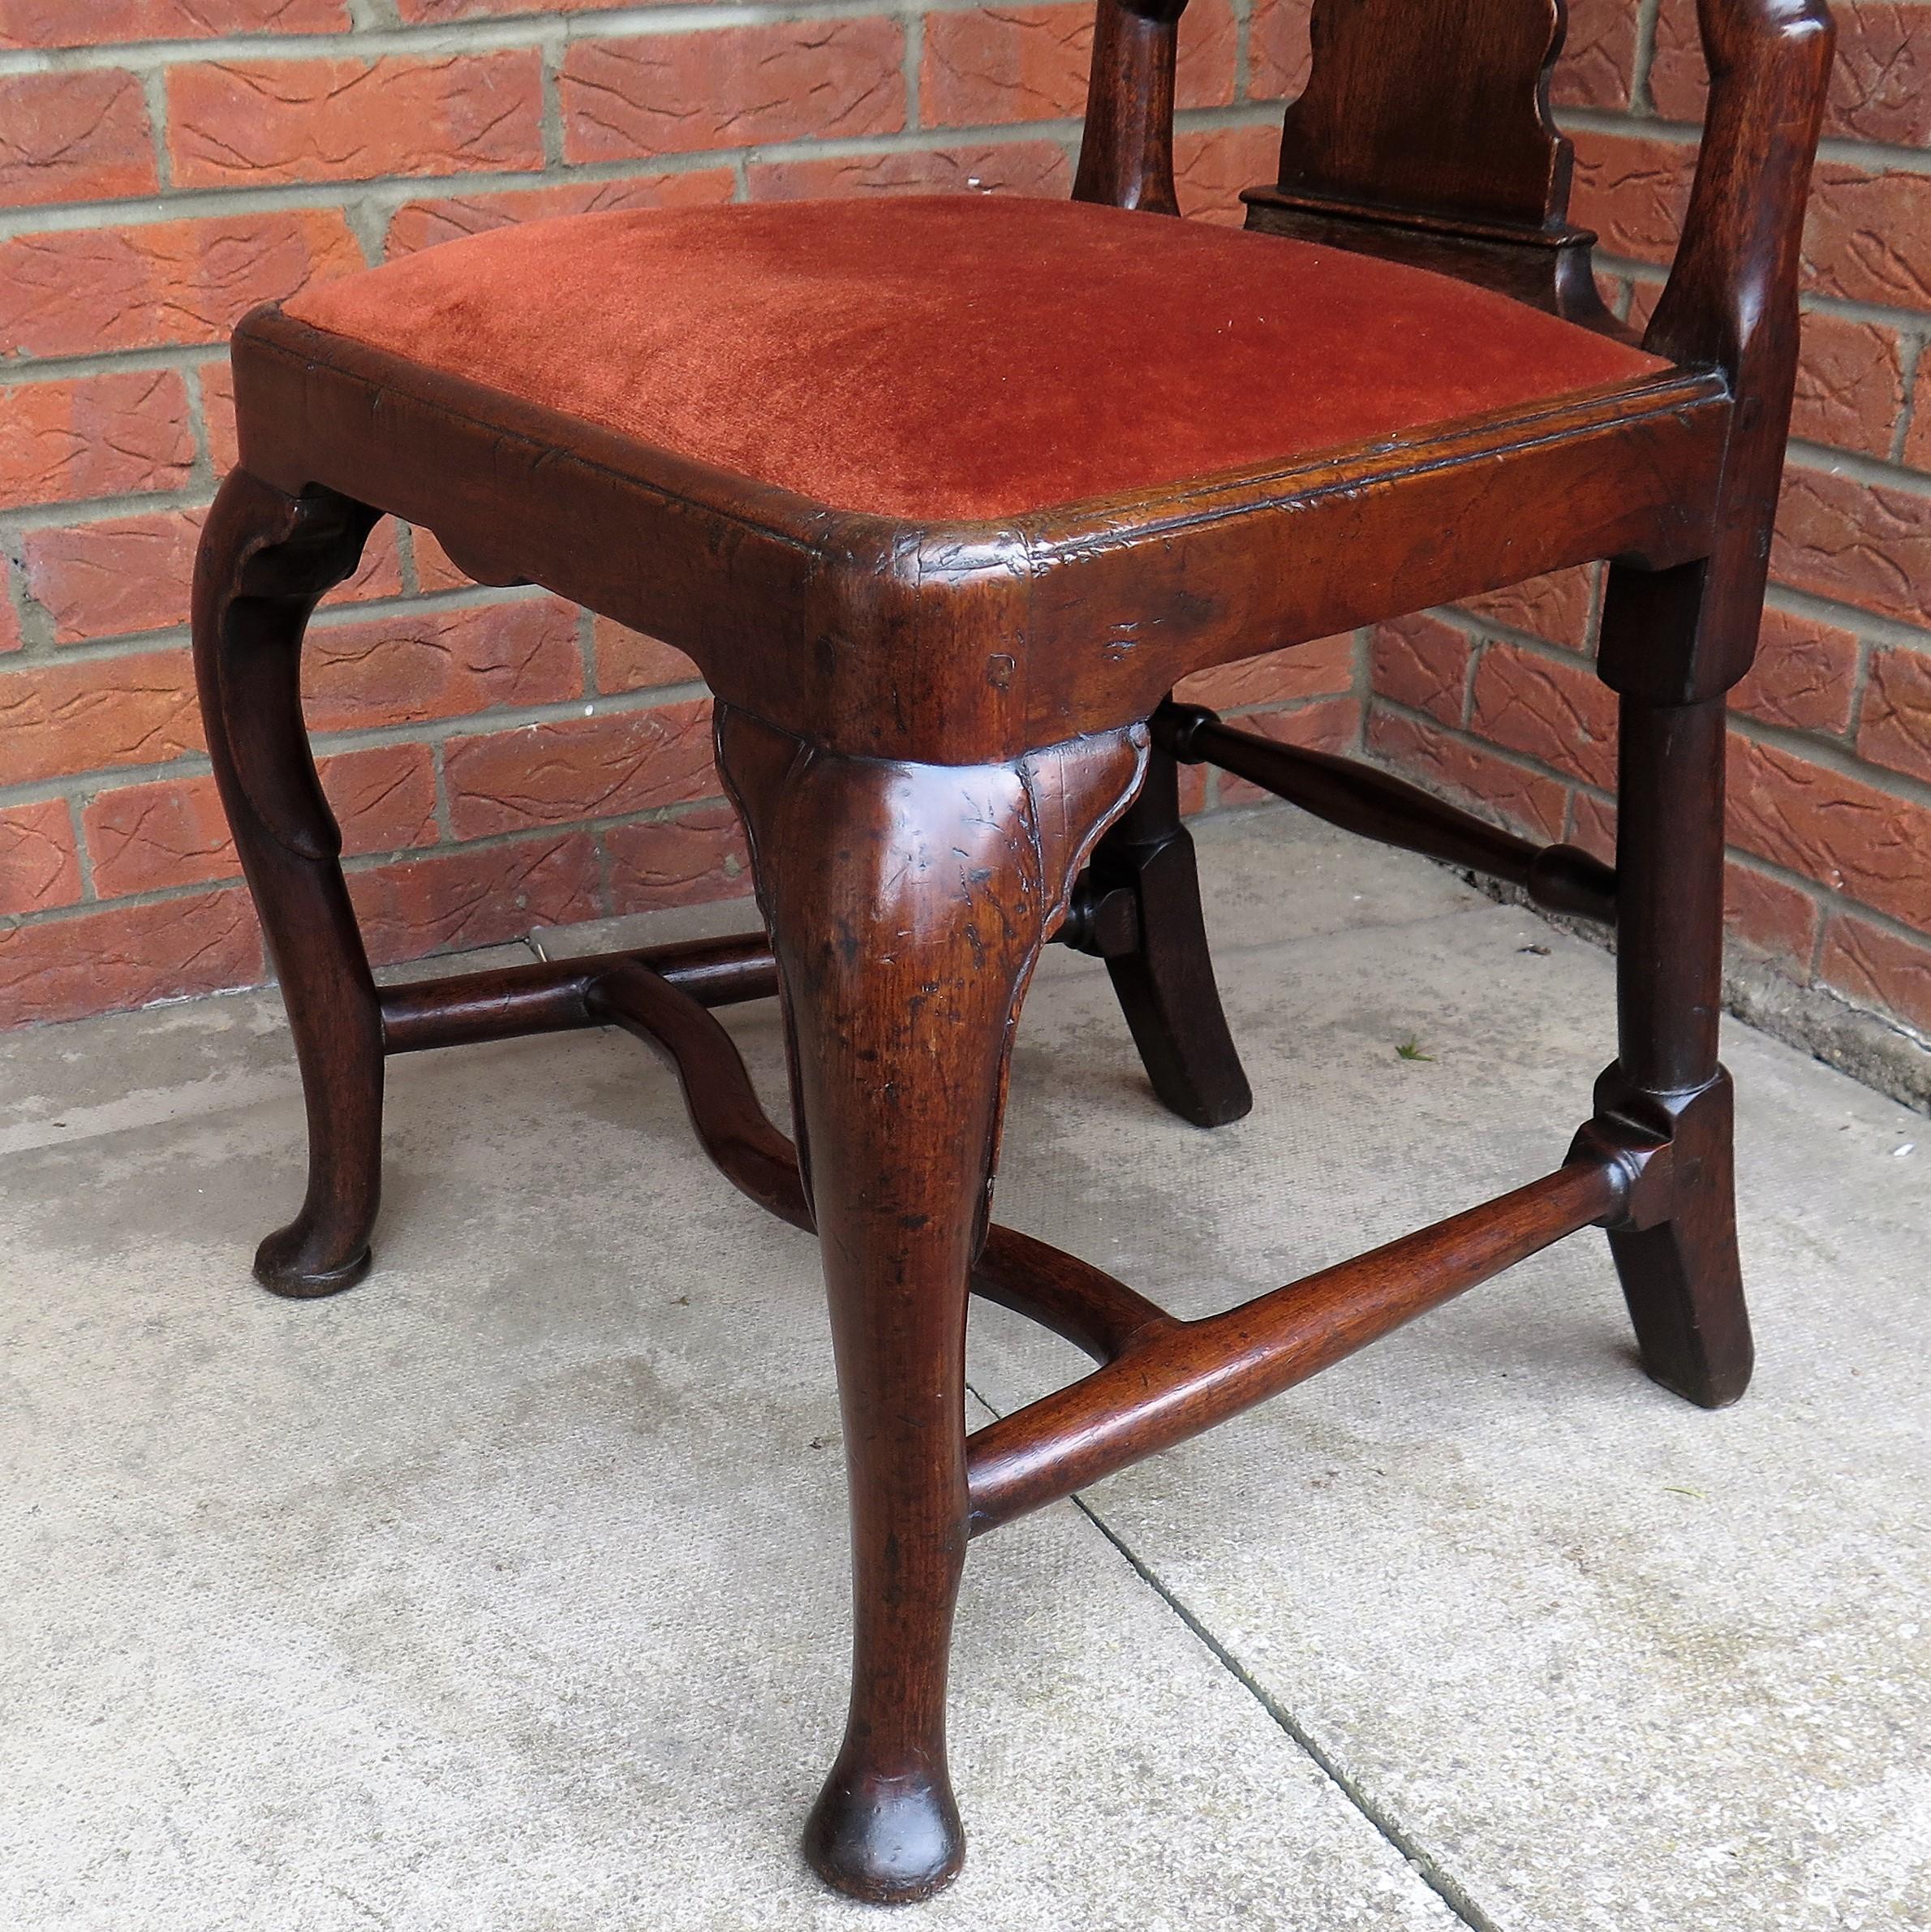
(265, 561)
(907, 904)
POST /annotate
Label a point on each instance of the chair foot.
(889, 1841)
(286, 1264)
(1665, 1274)
(1681, 1278)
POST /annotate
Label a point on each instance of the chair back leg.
(1165, 983)
(1681, 1277)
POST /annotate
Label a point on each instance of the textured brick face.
(1813, 820)
(329, 120)
(74, 137)
(1029, 63)
(78, 292)
(39, 863)
(620, 763)
(497, 759)
(98, 436)
(671, 93)
(102, 22)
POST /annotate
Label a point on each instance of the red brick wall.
(500, 759)
(1830, 768)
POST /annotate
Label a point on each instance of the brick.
(627, 660)
(38, 866)
(58, 719)
(125, 956)
(121, 575)
(1323, 668)
(97, 436)
(1894, 727)
(434, 12)
(1804, 677)
(380, 572)
(73, 136)
(1527, 801)
(1770, 914)
(1917, 441)
(1632, 191)
(617, 763)
(420, 664)
(1593, 826)
(1278, 53)
(435, 568)
(1869, 236)
(1849, 385)
(419, 225)
(984, 67)
(384, 797)
(10, 620)
(1643, 297)
(1560, 606)
(1863, 543)
(1561, 714)
(1327, 724)
(1880, 83)
(217, 415)
(1037, 168)
(987, 66)
(127, 574)
(1598, 55)
(1809, 819)
(245, 124)
(79, 291)
(1212, 165)
(730, 87)
(1422, 662)
(1678, 78)
(146, 837)
(1878, 968)
(103, 23)
(693, 859)
(476, 895)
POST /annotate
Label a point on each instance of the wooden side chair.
(944, 496)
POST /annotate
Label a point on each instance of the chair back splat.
(1436, 107)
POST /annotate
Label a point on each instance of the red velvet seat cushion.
(959, 356)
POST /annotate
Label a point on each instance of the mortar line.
(1418, 1859)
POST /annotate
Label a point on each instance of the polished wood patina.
(951, 742)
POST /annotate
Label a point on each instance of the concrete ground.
(507, 1591)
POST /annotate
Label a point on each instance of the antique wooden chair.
(944, 495)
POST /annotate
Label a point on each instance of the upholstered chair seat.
(945, 359)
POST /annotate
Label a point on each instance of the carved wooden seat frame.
(920, 827)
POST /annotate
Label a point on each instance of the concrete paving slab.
(59, 1085)
(508, 1590)
(1605, 1659)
